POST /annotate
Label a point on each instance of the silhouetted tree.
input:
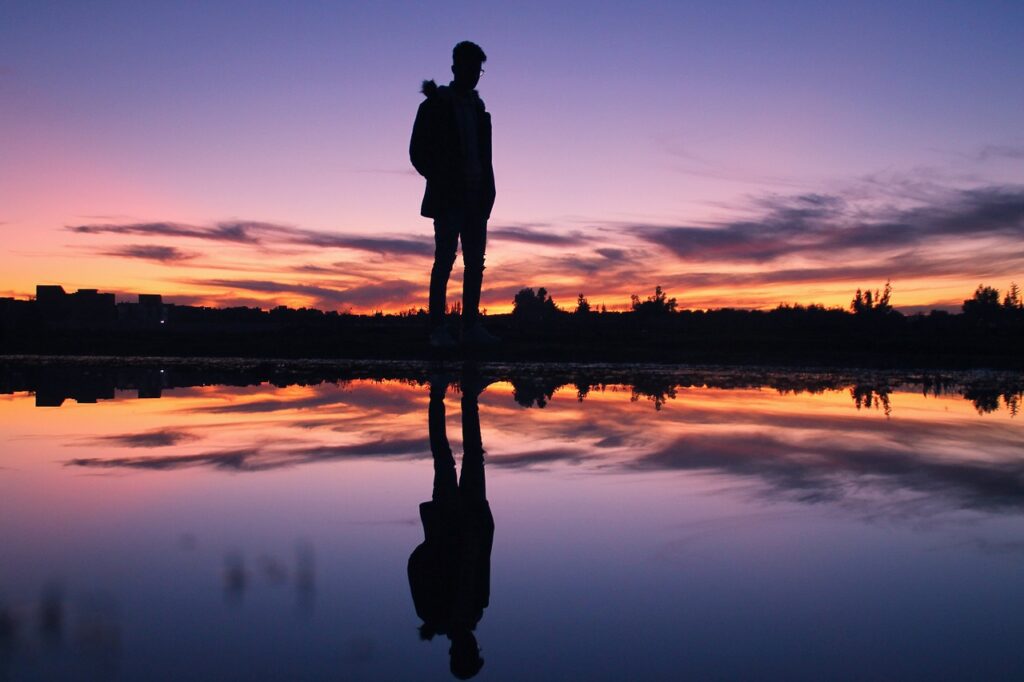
(984, 305)
(582, 305)
(658, 304)
(531, 307)
(1012, 300)
(867, 303)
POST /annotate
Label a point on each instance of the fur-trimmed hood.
(429, 88)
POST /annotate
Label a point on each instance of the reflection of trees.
(872, 397)
(986, 399)
(529, 391)
(534, 385)
(656, 389)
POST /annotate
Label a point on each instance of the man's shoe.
(442, 338)
(476, 335)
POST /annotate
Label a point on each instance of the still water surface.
(757, 528)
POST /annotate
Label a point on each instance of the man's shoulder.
(432, 92)
(435, 97)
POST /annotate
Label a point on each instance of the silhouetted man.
(451, 148)
(450, 571)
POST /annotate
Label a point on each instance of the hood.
(432, 89)
(429, 88)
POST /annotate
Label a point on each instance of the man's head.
(465, 661)
(467, 64)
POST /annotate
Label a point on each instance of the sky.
(738, 154)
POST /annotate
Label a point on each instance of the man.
(451, 148)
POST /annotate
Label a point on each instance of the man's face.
(467, 73)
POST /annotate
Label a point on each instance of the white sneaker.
(442, 338)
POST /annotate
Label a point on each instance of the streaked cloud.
(1000, 151)
(536, 235)
(825, 225)
(261, 458)
(265, 233)
(911, 226)
(366, 295)
(159, 438)
(222, 232)
(161, 254)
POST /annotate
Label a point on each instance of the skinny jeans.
(464, 221)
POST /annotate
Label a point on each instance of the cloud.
(148, 439)
(222, 232)
(367, 295)
(161, 254)
(533, 458)
(258, 233)
(901, 265)
(829, 226)
(399, 246)
(532, 235)
(811, 472)
(1000, 151)
(261, 458)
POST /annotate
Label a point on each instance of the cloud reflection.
(812, 439)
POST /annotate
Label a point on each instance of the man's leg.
(471, 482)
(446, 241)
(474, 244)
(445, 485)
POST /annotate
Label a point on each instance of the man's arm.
(421, 144)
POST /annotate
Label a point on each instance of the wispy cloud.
(160, 254)
(148, 439)
(812, 474)
(901, 225)
(366, 295)
(261, 458)
(222, 232)
(536, 235)
(828, 225)
(262, 233)
(1000, 151)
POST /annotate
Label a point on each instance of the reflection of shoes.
(478, 336)
(473, 384)
(439, 384)
(442, 338)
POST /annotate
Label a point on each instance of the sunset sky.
(736, 153)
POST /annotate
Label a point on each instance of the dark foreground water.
(749, 526)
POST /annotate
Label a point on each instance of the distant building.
(86, 308)
(148, 312)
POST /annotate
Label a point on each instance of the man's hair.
(468, 52)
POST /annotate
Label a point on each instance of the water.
(646, 525)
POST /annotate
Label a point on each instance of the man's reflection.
(450, 571)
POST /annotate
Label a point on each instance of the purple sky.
(779, 132)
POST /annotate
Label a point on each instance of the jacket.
(436, 151)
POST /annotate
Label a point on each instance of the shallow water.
(757, 528)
